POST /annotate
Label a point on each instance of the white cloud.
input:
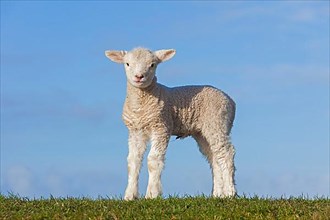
(310, 14)
(285, 184)
(293, 73)
(31, 105)
(303, 15)
(38, 183)
(239, 13)
(19, 180)
(55, 184)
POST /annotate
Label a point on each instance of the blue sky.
(61, 98)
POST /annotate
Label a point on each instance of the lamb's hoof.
(130, 197)
(153, 195)
(226, 195)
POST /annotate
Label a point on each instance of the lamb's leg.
(156, 159)
(137, 146)
(223, 169)
(205, 149)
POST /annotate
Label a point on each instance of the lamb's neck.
(136, 96)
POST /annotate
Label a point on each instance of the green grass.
(14, 207)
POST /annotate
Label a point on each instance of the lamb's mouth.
(139, 82)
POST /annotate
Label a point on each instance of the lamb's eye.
(152, 65)
(127, 64)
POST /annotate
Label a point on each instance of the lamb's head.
(140, 64)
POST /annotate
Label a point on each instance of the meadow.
(200, 207)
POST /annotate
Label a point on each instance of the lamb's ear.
(116, 55)
(164, 55)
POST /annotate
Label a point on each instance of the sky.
(61, 98)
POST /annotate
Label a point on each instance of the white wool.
(153, 112)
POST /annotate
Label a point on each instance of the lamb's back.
(193, 106)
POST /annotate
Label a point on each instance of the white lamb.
(153, 112)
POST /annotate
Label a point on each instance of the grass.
(14, 207)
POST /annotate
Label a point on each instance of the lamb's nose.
(139, 76)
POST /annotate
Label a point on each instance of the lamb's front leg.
(156, 159)
(137, 146)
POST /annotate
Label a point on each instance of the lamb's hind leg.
(223, 168)
(205, 149)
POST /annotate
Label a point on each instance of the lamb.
(153, 112)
